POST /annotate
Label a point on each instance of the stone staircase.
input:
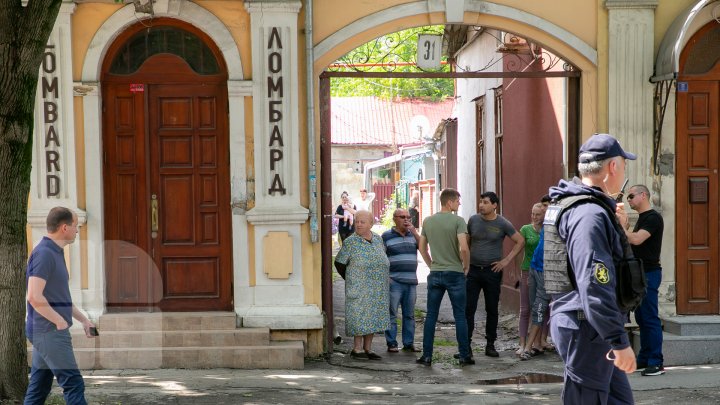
(693, 339)
(182, 340)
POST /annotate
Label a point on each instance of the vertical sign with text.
(51, 112)
(275, 110)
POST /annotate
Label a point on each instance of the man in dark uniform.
(646, 240)
(587, 325)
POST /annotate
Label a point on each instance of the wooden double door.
(166, 197)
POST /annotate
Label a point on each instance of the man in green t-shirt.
(446, 233)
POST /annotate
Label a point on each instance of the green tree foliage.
(393, 52)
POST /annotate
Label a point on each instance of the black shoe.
(411, 349)
(358, 355)
(653, 370)
(467, 361)
(457, 356)
(337, 340)
(490, 351)
(372, 355)
(425, 361)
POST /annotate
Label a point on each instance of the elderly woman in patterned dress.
(367, 291)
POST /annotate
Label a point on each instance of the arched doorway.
(166, 170)
(698, 159)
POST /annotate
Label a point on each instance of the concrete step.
(174, 338)
(161, 321)
(686, 350)
(692, 325)
(286, 355)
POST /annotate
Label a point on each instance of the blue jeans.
(404, 295)
(53, 357)
(454, 283)
(646, 315)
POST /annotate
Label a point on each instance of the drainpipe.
(326, 276)
(309, 69)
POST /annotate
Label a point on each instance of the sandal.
(393, 349)
(372, 356)
(526, 356)
(549, 347)
(536, 352)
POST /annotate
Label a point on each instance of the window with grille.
(164, 39)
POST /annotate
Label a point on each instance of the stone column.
(630, 66)
(630, 95)
(54, 175)
(279, 292)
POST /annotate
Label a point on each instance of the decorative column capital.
(630, 4)
(277, 6)
(84, 89)
(67, 7)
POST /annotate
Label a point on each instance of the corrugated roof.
(374, 121)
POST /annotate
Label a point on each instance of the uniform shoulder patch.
(551, 214)
(602, 274)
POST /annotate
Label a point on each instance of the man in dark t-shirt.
(646, 242)
(50, 312)
(487, 232)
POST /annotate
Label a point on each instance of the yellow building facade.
(183, 134)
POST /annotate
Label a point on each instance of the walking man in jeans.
(401, 247)
(487, 232)
(446, 233)
(646, 242)
(49, 314)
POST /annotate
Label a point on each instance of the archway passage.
(516, 67)
(166, 169)
(698, 158)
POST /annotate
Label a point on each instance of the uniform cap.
(600, 147)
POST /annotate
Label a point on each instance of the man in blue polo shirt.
(401, 245)
(49, 314)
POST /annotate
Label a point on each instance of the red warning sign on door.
(137, 88)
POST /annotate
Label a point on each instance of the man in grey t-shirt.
(487, 232)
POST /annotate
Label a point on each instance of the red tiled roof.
(374, 121)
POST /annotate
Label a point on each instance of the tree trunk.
(13, 254)
(24, 32)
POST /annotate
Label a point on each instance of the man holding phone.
(49, 314)
(401, 247)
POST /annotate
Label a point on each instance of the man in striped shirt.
(401, 245)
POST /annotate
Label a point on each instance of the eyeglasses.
(402, 216)
(631, 196)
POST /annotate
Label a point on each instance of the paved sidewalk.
(395, 379)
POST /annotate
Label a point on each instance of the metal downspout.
(309, 69)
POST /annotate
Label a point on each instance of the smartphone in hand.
(94, 331)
